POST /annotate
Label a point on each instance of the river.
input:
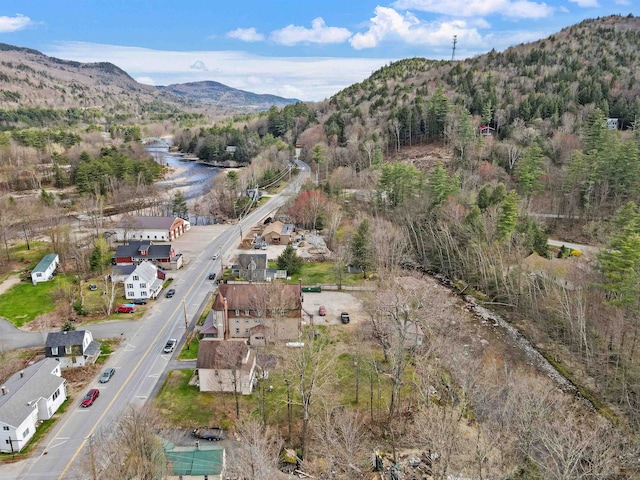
(193, 179)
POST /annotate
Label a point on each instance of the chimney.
(21, 373)
(4, 390)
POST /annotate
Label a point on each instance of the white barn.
(159, 229)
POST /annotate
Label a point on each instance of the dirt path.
(9, 282)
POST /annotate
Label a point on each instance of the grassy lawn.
(321, 272)
(190, 353)
(25, 301)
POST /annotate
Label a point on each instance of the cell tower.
(453, 53)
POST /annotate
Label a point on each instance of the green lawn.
(25, 301)
(321, 272)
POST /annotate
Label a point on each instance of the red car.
(90, 397)
(126, 308)
(322, 311)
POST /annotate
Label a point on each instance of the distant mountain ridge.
(209, 92)
(30, 79)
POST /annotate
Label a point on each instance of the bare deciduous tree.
(255, 457)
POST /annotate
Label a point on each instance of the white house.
(45, 269)
(72, 349)
(160, 229)
(26, 398)
(143, 282)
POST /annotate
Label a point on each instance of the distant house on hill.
(45, 269)
(160, 229)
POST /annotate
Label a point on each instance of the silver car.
(107, 374)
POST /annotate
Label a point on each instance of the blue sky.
(302, 49)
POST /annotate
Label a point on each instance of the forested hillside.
(468, 159)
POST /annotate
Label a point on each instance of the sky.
(304, 49)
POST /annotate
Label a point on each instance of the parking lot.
(335, 303)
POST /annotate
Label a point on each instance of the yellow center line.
(106, 410)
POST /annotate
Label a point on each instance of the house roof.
(252, 296)
(223, 354)
(133, 250)
(273, 227)
(45, 262)
(209, 327)
(260, 259)
(74, 337)
(187, 461)
(122, 270)
(144, 222)
(92, 349)
(147, 272)
(37, 382)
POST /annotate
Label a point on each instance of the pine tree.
(508, 216)
(290, 261)
(362, 248)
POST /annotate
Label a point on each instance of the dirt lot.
(335, 303)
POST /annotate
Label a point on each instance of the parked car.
(170, 345)
(139, 301)
(107, 374)
(212, 276)
(322, 311)
(212, 434)
(126, 308)
(344, 317)
(93, 287)
(170, 293)
(90, 397)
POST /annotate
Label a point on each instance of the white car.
(171, 344)
(215, 256)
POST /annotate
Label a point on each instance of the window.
(136, 278)
(256, 320)
(246, 331)
(237, 330)
(5, 428)
(143, 285)
(131, 294)
(143, 293)
(155, 237)
(7, 441)
(237, 312)
(246, 320)
(67, 349)
(25, 433)
(260, 338)
(130, 285)
(237, 320)
(246, 312)
(56, 394)
(54, 351)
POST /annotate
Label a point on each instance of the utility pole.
(13, 453)
(186, 324)
(453, 53)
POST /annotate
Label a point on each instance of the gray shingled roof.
(132, 250)
(142, 222)
(58, 339)
(37, 382)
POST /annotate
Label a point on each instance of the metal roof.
(45, 262)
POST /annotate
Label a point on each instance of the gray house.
(72, 349)
(252, 267)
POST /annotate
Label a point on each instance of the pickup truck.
(212, 434)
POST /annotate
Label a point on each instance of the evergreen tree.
(179, 205)
(508, 216)
(101, 255)
(362, 248)
(440, 185)
(290, 261)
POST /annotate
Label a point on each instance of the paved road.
(139, 362)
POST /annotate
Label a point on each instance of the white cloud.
(199, 65)
(145, 80)
(246, 35)
(306, 78)
(388, 24)
(13, 24)
(481, 8)
(623, 2)
(586, 3)
(318, 33)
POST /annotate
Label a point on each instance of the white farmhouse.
(143, 282)
(45, 269)
(27, 398)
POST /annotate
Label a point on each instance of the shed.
(45, 269)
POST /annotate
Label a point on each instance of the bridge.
(155, 142)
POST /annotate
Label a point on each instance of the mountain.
(551, 82)
(36, 89)
(217, 94)
(32, 80)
